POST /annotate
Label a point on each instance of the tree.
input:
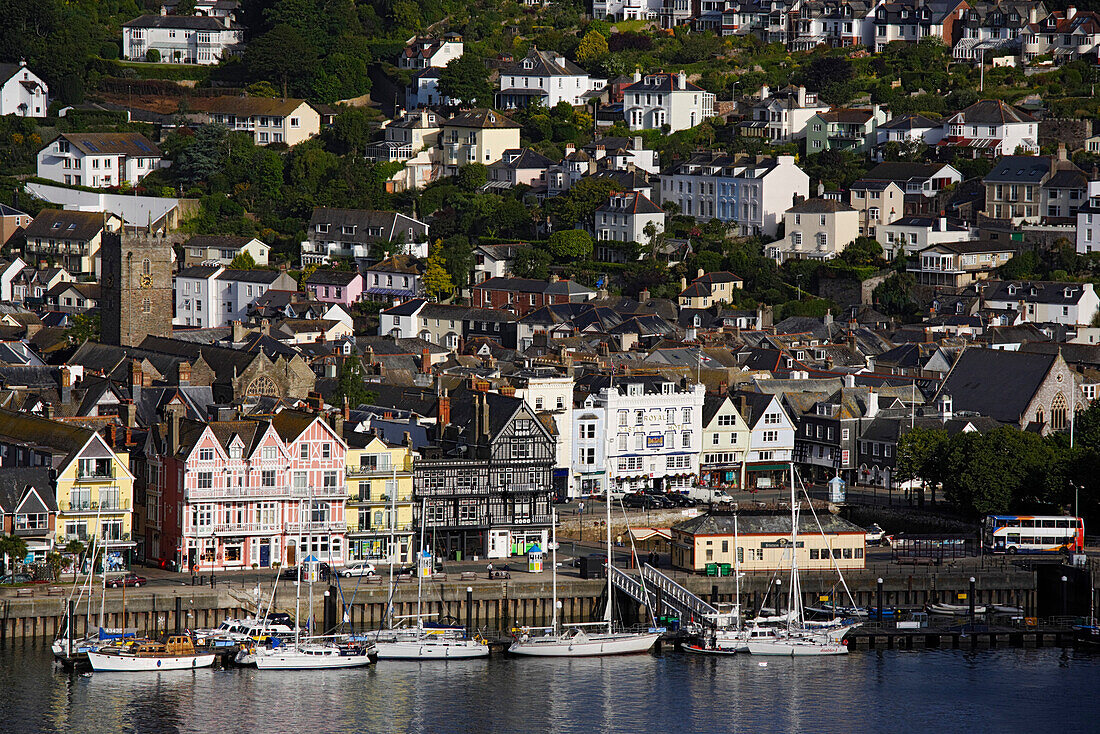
(893, 296)
(862, 251)
(592, 49)
(75, 549)
(13, 550)
(829, 76)
(570, 245)
(350, 385)
(280, 55)
(466, 81)
(84, 327)
(472, 176)
(920, 455)
(352, 131)
(152, 56)
(243, 261)
(307, 271)
(204, 155)
(437, 280)
(532, 262)
(54, 563)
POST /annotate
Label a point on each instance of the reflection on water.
(886, 691)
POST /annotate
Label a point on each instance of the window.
(326, 451)
(303, 451)
(687, 416)
(267, 478)
(685, 440)
(206, 454)
(269, 453)
(770, 436)
(204, 480)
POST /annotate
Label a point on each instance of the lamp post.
(879, 614)
(970, 599)
(1065, 612)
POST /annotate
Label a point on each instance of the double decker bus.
(1033, 534)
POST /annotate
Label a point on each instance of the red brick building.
(523, 295)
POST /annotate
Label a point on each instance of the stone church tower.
(137, 288)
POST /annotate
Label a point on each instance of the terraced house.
(91, 483)
(250, 493)
(380, 500)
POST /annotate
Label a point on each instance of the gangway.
(663, 595)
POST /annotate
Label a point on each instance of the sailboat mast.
(298, 582)
(392, 553)
(554, 567)
(793, 592)
(419, 569)
(736, 575)
(610, 590)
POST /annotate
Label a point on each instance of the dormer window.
(528, 64)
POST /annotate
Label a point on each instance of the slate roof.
(544, 63)
(482, 119)
(775, 523)
(820, 206)
(332, 277)
(185, 22)
(65, 224)
(996, 383)
(15, 480)
(130, 144)
(994, 111)
(1019, 169)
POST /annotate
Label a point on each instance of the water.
(1048, 690)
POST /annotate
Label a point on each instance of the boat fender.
(762, 665)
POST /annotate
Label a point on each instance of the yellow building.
(380, 501)
(762, 542)
(476, 136)
(93, 485)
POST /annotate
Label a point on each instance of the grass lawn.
(631, 25)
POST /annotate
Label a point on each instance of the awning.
(647, 533)
(767, 467)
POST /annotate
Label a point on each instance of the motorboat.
(426, 642)
(955, 610)
(574, 642)
(177, 653)
(315, 655)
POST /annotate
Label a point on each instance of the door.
(291, 554)
(265, 554)
(192, 558)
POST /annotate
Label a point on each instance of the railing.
(521, 488)
(92, 507)
(27, 532)
(383, 528)
(479, 491)
(247, 527)
(63, 538)
(379, 471)
(218, 493)
(316, 527)
(96, 476)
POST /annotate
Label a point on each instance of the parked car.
(640, 500)
(15, 578)
(681, 500)
(875, 535)
(358, 568)
(290, 573)
(130, 579)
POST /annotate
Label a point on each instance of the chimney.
(66, 385)
(681, 80)
(643, 297)
(173, 431)
(764, 91)
(723, 387)
(820, 189)
(238, 331)
(426, 361)
(484, 397)
(943, 220)
(872, 404)
(1062, 156)
(443, 415)
(407, 439)
(265, 327)
(347, 409)
(638, 145)
(128, 413)
(637, 75)
(744, 406)
(136, 380)
(699, 273)
(1071, 12)
(337, 423)
(802, 96)
(164, 10)
(183, 370)
(683, 284)
(507, 391)
(849, 380)
(828, 317)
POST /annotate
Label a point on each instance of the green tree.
(281, 55)
(437, 280)
(472, 176)
(262, 89)
(592, 49)
(351, 131)
(204, 155)
(570, 245)
(350, 385)
(243, 261)
(54, 563)
(466, 81)
(75, 549)
(894, 296)
(920, 456)
(84, 327)
(307, 271)
(532, 262)
(13, 550)
(152, 56)
(862, 251)
(185, 7)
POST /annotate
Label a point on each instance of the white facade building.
(1088, 221)
(1045, 302)
(640, 433)
(22, 92)
(549, 392)
(743, 190)
(545, 77)
(99, 160)
(656, 100)
(612, 10)
(625, 216)
(212, 296)
(181, 39)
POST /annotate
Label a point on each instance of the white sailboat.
(584, 639)
(314, 653)
(422, 642)
(178, 653)
(798, 640)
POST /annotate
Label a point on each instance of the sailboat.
(423, 641)
(313, 653)
(583, 639)
(798, 639)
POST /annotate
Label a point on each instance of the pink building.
(250, 493)
(336, 286)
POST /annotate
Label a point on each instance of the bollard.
(879, 615)
(970, 599)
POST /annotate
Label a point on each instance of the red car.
(130, 579)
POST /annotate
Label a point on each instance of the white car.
(360, 568)
(876, 535)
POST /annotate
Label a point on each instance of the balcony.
(96, 476)
(31, 532)
(245, 528)
(324, 526)
(381, 529)
(479, 491)
(521, 488)
(386, 470)
(93, 507)
(531, 520)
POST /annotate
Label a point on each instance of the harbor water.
(1008, 690)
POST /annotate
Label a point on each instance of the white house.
(916, 233)
(181, 39)
(625, 216)
(545, 77)
(909, 130)
(650, 435)
(782, 116)
(212, 296)
(1045, 302)
(206, 248)
(991, 127)
(99, 160)
(745, 190)
(771, 439)
(22, 92)
(613, 10)
(1088, 221)
(656, 100)
(816, 229)
(726, 438)
(550, 393)
(426, 52)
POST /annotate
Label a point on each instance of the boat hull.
(413, 650)
(297, 661)
(718, 651)
(796, 648)
(103, 663)
(593, 646)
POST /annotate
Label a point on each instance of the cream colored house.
(269, 120)
(380, 501)
(207, 248)
(725, 441)
(879, 203)
(816, 229)
(762, 542)
(476, 136)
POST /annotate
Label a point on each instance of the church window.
(147, 305)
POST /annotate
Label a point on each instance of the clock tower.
(136, 287)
